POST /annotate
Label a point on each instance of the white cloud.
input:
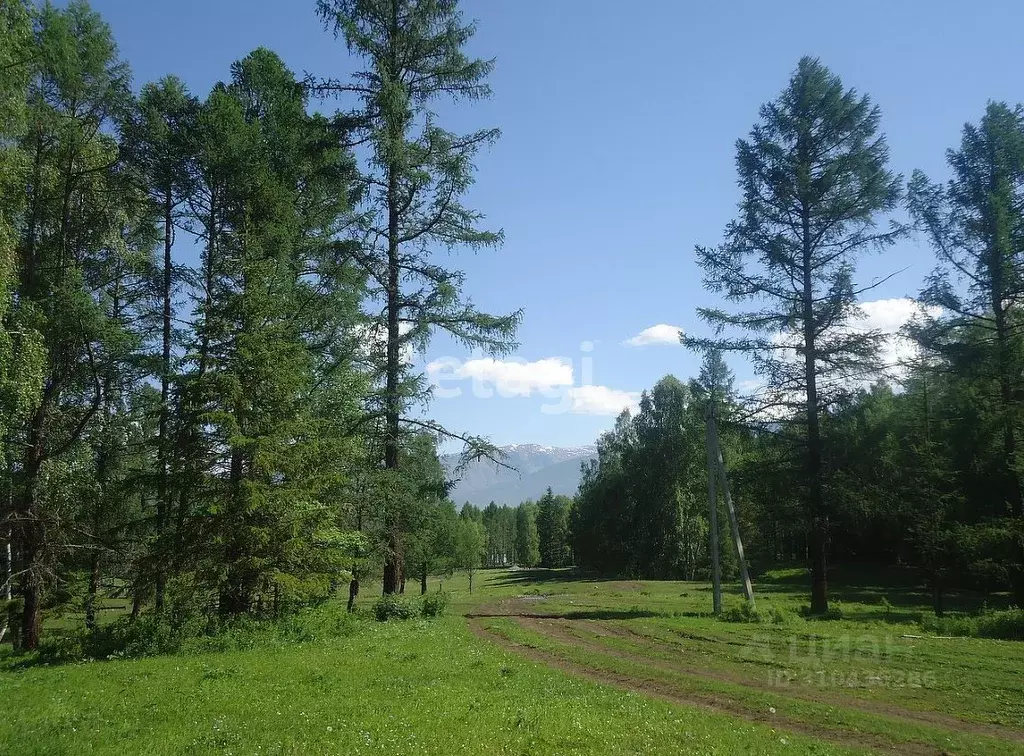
(552, 378)
(595, 400)
(372, 340)
(889, 316)
(656, 334)
(750, 386)
(508, 377)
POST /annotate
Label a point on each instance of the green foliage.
(1005, 625)
(470, 542)
(413, 56)
(744, 613)
(527, 538)
(21, 351)
(815, 180)
(225, 442)
(434, 604)
(553, 539)
(157, 634)
(641, 507)
(397, 607)
(394, 607)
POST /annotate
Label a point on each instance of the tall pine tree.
(976, 225)
(814, 180)
(415, 179)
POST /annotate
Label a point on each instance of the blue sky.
(619, 122)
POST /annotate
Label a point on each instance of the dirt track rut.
(575, 632)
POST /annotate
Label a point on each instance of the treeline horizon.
(922, 467)
(245, 437)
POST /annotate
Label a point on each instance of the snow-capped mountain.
(537, 468)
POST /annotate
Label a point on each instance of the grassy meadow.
(549, 662)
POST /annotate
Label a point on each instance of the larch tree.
(73, 220)
(527, 543)
(156, 146)
(269, 335)
(553, 543)
(715, 382)
(975, 223)
(21, 352)
(415, 178)
(815, 180)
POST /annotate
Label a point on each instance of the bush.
(435, 604)
(1005, 625)
(178, 633)
(771, 615)
(392, 607)
(835, 612)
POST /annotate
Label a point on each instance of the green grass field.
(539, 662)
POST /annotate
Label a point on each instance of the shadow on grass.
(595, 614)
(510, 578)
(905, 588)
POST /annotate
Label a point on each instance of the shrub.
(835, 612)
(772, 615)
(1005, 625)
(392, 607)
(147, 635)
(434, 604)
(181, 633)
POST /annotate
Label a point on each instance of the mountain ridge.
(537, 467)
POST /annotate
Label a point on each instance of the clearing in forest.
(550, 662)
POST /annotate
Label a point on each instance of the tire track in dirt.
(705, 702)
(884, 709)
(569, 631)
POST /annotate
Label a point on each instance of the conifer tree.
(157, 147)
(814, 179)
(975, 223)
(414, 182)
(73, 219)
(269, 358)
(21, 352)
(527, 543)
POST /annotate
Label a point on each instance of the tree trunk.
(815, 496)
(236, 593)
(191, 397)
(423, 578)
(163, 445)
(937, 594)
(31, 613)
(136, 602)
(92, 591)
(392, 409)
(392, 565)
(5, 593)
(353, 593)
(32, 534)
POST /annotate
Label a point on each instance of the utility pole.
(8, 558)
(6, 593)
(716, 466)
(716, 565)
